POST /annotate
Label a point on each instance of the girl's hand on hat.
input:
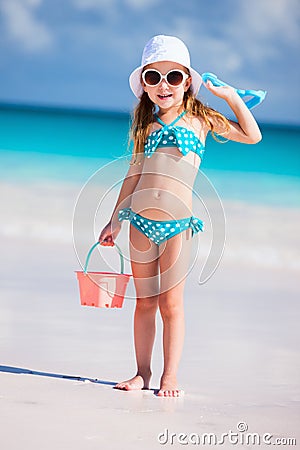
(225, 92)
(107, 235)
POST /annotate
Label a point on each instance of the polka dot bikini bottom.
(160, 231)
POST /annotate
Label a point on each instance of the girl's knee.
(147, 305)
(170, 305)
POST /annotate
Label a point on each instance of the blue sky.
(80, 52)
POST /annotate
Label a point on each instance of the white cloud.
(274, 18)
(93, 4)
(108, 6)
(23, 27)
(262, 28)
(141, 4)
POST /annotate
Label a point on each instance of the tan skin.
(169, 301)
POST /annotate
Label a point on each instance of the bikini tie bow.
(196, 225)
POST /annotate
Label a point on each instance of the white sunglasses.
(175, 77)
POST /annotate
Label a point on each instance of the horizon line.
(78, 109)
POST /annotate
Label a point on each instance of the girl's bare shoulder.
(198, 125)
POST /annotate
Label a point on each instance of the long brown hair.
(143, 117)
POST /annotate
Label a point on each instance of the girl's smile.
(163, 97)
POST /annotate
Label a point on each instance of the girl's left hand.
(225, 92)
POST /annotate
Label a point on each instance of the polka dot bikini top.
(171, 136)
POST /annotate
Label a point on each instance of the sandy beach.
(241, 357)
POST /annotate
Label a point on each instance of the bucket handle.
(93, 248)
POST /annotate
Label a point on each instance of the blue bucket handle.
(93, 248)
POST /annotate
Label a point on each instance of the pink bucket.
(102, 289)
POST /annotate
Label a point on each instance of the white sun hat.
(164, 48)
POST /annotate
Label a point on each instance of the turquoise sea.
(69, 145)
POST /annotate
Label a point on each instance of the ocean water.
(68, 145)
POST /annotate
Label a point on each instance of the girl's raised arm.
(245, 129)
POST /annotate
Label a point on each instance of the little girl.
(169, 129)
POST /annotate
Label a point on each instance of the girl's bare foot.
(169, 387)
(136, 383)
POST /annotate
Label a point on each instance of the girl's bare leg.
(144, 264)
(174, 265)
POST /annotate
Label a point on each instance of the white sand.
(241, 356)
